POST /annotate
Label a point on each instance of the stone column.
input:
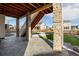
(17, 27)
(57, 19)
(2, 26)
(28, 26)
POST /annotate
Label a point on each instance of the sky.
(70, 11)
(10, 20)
(47, 19)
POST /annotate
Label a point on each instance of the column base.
(57, 53)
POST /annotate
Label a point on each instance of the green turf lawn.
(67, 38)
(71, 39)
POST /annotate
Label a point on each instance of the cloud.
(50, 14)
(70, 11)
(9, 18)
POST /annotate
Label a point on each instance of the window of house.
(66, 27)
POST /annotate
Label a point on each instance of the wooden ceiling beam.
(18, 5)
(48, 10)
(12, 6)
(26, 6)
(32, 5)
(42, 8)
(39, 6)
(43, 12)
(10, 9)
(6, 13)
(45, 9)
(18, 10)
(51, 9)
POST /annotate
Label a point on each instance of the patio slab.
(12, 46)
(38, 47)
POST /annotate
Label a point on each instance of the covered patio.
(33, 13)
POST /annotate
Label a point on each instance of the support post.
(28, 26)
(17, 27)
(2, 26)
(58, 37)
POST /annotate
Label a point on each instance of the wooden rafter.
(13, 6)
(32, 5)
(20, 9)
(26, 6)
(42, 8)
(10, 9)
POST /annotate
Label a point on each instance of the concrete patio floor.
(38, 47)
(16, 46)
(12, 46)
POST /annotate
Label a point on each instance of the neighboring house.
(9, 28)
(75, 27)
(40, 27)
(67, 25)
(69, 28)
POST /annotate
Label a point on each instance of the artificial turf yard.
(67, 38)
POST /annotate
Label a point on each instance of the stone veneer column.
(17, 27)
(57, 42)
(28, 26)
(2, 26)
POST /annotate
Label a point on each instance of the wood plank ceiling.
(19, 9)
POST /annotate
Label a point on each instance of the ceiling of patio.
(20, 9)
